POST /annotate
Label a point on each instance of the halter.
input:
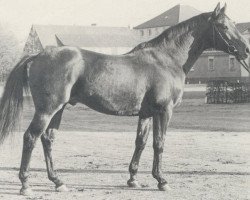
(231, 48)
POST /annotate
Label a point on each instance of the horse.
(147, 82)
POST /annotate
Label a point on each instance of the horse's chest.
(177, 93)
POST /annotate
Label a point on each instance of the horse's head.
(226, 37)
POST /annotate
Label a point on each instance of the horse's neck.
(193, 53)
(182, 45)
(186, 46)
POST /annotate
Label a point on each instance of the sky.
(19, 15)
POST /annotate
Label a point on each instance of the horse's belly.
(113, 89)
(115, 102)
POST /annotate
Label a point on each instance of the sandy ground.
(94, 165)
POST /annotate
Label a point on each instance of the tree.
(10, 51)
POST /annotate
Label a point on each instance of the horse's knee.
(158, 146)
(140, 142)
(48, 138)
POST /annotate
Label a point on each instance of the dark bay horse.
(147, 82)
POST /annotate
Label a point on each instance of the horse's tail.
(12, 99)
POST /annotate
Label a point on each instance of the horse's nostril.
(247, 50)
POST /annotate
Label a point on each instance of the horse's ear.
(216, 12)
(223, 10)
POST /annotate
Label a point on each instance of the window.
(192, 69)
(149, 31)
(142, 33)
(156, 30)
(211, 63)
(232, 66)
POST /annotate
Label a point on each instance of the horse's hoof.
(62, 188)
(133, 183)
(26, 192)
(164, 187)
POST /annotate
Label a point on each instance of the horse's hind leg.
(140, 142)
(47, 139)
(36, 128)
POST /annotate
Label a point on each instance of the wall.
(202, 73)
(149, 33)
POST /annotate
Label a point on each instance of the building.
(158, 24)
(244, 28)
(109, 40)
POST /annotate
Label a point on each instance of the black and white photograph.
(124, 100)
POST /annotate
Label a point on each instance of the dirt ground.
(94, 165)
(207, 156)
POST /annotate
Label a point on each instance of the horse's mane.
(173, 32)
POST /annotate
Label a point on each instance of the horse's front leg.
(140, 142)
(160, 123)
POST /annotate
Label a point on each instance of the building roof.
(87, 36)
(100, 40)
(171, 17)
(242, 27)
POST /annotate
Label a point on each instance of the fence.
(220, 91)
